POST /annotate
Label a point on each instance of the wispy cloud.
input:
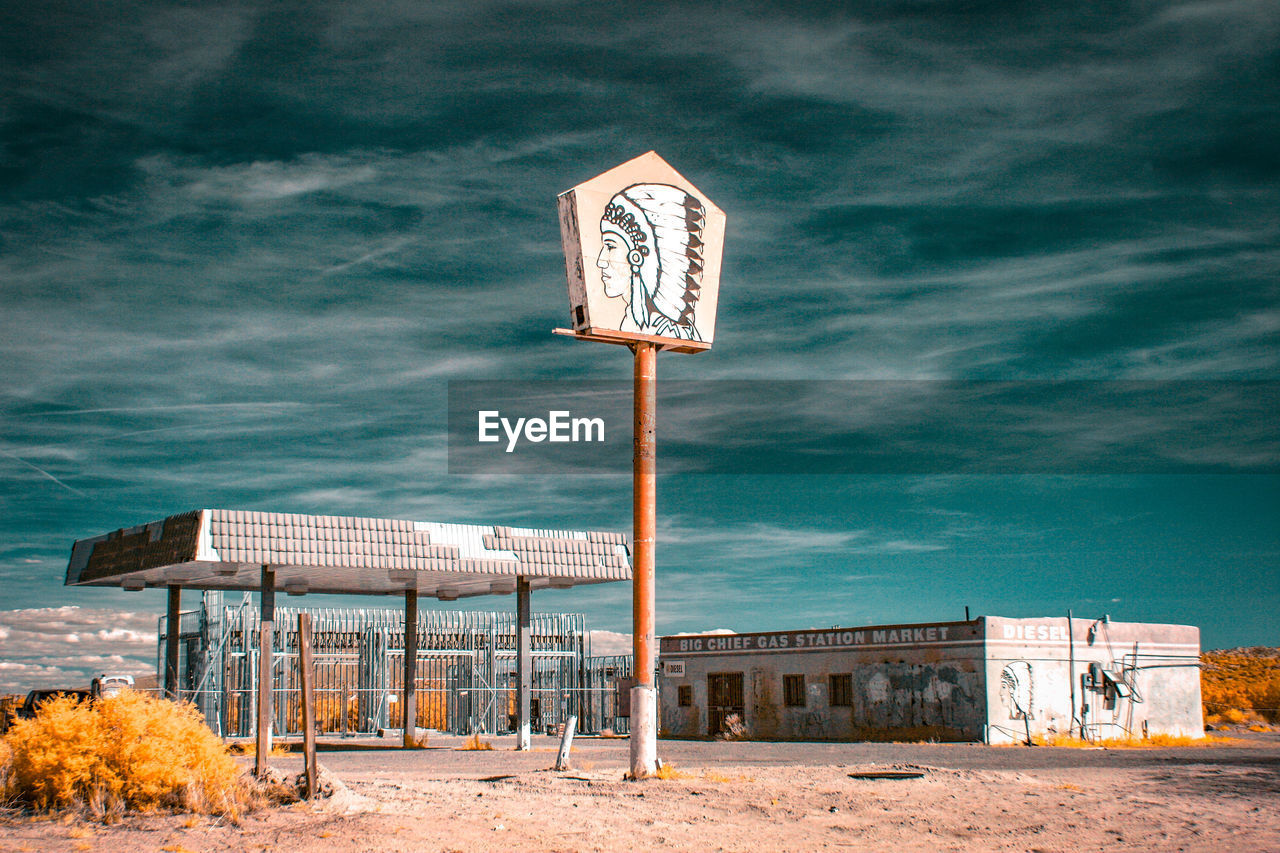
(772, 544)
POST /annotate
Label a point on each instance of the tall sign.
(642, 250)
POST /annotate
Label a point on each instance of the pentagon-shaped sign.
(642, 250)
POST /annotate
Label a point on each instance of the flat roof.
(227, 549)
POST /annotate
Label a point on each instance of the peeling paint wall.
(905, 682)
(1145, 678)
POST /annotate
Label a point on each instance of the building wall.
(1030, 678)
(907, 681)
(992, 679)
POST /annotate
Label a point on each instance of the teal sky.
(244, 248)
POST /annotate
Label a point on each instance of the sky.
(248, 249)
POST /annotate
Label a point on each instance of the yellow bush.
(1241, 685)
(5, 754)
(1156, 741)
(474, 743)
(668, 771)
(128, 751)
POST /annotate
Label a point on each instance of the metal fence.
(465, 678)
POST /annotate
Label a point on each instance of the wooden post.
(524, 662)
(644, 729)
(409, 705)
(173, 630)
(266, 639)
(307, 680)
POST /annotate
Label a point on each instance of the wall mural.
(1017, 690)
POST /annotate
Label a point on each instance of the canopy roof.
(227, 549)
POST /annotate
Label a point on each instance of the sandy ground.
(740, 796)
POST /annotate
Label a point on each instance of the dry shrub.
(5, 754)
(1157, 741)
(130, 751)
(668, 771)
(279, 749)
(1233, 717)
(732, 728)
(1241, 686)
(474, 743)
(330, 710)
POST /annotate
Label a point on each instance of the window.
(793, 690)
(841, 690)
(684, 695)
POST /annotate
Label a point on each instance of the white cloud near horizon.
(51, 647)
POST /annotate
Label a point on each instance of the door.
(724, 697)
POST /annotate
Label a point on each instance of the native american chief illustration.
(651, 258)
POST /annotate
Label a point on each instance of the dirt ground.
(738, 796)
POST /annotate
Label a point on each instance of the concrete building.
(993, 679)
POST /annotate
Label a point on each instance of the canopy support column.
(266, 639)
(172, 630)
(524, 662)
(410, 704)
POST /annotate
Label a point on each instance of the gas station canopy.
(228, 549)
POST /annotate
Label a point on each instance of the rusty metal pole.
(644, 723)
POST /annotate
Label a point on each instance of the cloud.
(765, 544)
(68, 646)
(610, 643)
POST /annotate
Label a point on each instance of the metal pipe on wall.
(1071, 671)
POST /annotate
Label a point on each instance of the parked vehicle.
(109, 684)
(36, 698)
